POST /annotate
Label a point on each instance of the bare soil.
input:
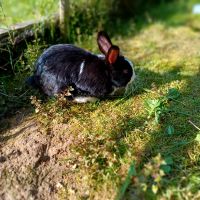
(31, 161)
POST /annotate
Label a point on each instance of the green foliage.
(131, 8)
(158, 107)
(87, 17)
(151, 178)
(172, 94)
(126, 183)
(148, 181)
(169, 130)
(15, 94)
(13, 11)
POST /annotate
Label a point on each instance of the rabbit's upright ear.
(104, 42)
(112, 54)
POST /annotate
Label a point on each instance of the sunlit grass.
(12, 11)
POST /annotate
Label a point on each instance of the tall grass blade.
(131, 173)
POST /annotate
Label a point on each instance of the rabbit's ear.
(104, 42)
(113, 54)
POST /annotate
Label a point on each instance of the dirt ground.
(31, 164)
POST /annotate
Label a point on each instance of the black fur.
(60, 66)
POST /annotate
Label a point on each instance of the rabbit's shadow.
(147, 79)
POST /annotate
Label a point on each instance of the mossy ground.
(112, 134)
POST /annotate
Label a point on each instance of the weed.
(148, 181)
(52, 113)
(169, 130)
(159, 107)
(15, 94)
(127, 182)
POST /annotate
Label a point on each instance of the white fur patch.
(84, 99)
(101, 56)
(81, 67)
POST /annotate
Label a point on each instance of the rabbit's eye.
(125, 71)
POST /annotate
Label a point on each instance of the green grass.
(110, 135)
(13, 11)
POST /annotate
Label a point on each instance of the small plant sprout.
(152, 176)
(158, 107)
(169, 130)
(36, 103)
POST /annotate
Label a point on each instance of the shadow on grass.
(123, 130)
(177, 144)
(147, 79)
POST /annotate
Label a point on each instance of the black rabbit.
(91, 76)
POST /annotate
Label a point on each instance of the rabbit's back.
(61, 55)
(65, 65)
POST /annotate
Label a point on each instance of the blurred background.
(88, 16)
